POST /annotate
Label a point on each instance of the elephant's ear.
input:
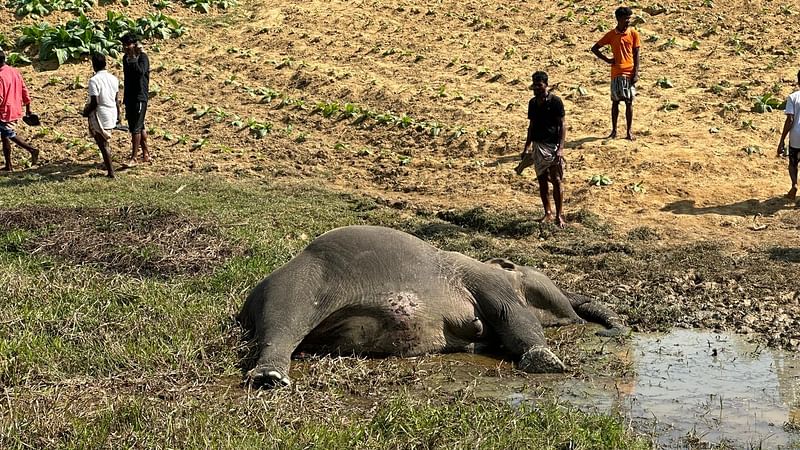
(503, 264)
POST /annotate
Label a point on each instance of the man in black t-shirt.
(544, 146)
(136, 69)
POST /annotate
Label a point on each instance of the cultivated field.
(274, 122)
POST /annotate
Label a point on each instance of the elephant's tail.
(592, 311)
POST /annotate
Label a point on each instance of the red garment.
(13, 94)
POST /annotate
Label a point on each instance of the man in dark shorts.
(791, 127)
(544, 146)
(136, 69)
(625, 44)
(13, 96)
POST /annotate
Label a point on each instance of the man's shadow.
(50, 172)
(744, 208)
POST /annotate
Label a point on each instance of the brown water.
(688, 384)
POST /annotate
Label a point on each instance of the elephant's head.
(526, 280)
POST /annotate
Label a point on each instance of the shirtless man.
(625, 44)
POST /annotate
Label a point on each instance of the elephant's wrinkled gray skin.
(379, 291)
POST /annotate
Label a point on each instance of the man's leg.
(33, 151)
(102, 143)
(614, 117)
(794, 156)
(7, 154)
(555, 178)
(629, 119)
(545, 195)
(136, 139)
(145, 150)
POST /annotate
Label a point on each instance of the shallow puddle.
(715, 387)
(702, 386)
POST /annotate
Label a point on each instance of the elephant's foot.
(541, 360)
(265, 376)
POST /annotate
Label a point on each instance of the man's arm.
(90, 107)
(117, 102)
(787, 127)
(562, 135)
(635, 74)
(26, 98)
(599, 54)
(528, 137)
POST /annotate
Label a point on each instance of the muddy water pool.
(688, 386)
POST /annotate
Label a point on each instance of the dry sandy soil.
(460, 72)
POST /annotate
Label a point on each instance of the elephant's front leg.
(282, 315)
(525, 337)
(518, 327)
(276, 344)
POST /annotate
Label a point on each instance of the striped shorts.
(622, 90)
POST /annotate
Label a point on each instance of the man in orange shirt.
(13, 95)
(625, 44)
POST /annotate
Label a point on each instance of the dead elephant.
(378, 291)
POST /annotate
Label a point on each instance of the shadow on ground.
(785, 254)
(51, 171)
(744, 208)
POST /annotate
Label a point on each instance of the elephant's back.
(373, 253)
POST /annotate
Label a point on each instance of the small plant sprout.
(751, 150)
(664, 82)
(457, 133)
(405, 121)
(198, 144)
(766, 103)
(404, 160)
(669, 106)
(638, 187)
(671, 42)
(600, 180)
(695, 45)
(339, 146)
(349, 111)
(483, 132)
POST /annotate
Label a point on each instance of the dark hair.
(539, 76)
(2, 57)
(98, 61)
(623, 11)
(798, 75)
(129, 38)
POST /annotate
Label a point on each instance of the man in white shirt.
(791, 127)
(102, 108)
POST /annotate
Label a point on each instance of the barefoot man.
(791, 127)
(102, 109)
(544, 146)
(13, 95)
(136, 70)
(625, 44)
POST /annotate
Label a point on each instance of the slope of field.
(423, 103)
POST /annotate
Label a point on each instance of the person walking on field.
(544, 146)
(136, 70)
(102, 109)
(791, 127)
(13, 95)
(625, 44)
